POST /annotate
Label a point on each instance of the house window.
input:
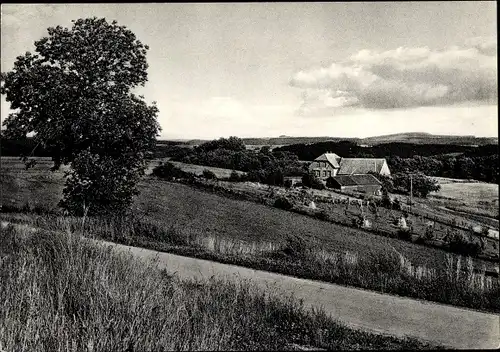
(329, 174)
(316, 172)
(324, 173)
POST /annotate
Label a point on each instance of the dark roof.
(332, 158)
(357, 180)
(350, 166)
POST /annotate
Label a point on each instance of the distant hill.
(286, 140)
(410, 137)
(427, 138)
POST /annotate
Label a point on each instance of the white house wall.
(385, 169)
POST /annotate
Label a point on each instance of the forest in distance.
(439, 160)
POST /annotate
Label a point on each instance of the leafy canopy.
(74, 95)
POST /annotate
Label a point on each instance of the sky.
(299, 69)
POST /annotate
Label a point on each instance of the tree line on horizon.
(438, 160)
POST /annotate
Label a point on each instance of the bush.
(396, 205)
(321, 215)
(386, 200)
(283, 203)
(209, 175)
(234, 177)
(459, 244)
(296, 247)
(422, 185)
(312, 181)
(99, 184)
(404, 234)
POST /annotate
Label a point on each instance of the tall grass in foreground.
(60, 292)
(385, 271)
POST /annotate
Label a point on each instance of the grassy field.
(476, 198)
(195, 169)
(38, 186)
(59, 292)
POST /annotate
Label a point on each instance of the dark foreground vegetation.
(59, 292)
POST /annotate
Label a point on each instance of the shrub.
(168, 171)
(99, 184)
(295, 247)
(234, 177)
(386, 200)
(459, 244)
(209, 175)
(312, 181)
(283, 203)
(321, 215)
(396, 204)
(422, 185)
(404, 234)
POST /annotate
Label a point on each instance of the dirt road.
(447, 325)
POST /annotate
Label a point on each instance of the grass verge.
(459, 283)
(59, 292)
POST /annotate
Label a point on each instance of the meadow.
(470, 197)
(60, 292)
(196, 169)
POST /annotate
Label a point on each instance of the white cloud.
(403, 77)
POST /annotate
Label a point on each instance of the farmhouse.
(330, 165)
(365, 183)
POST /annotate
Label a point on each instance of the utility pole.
(411, 191)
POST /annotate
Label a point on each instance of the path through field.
(446, 325)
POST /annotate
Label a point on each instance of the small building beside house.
(293, 181)
(361, 183)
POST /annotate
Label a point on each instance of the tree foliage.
(74, 95)
(312, 181)
(422, 185)
(263, 166)
(444, 160)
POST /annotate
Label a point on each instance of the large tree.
(75, 96)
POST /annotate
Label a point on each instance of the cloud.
(403, 77)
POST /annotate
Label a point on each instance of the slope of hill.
(427, 138)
